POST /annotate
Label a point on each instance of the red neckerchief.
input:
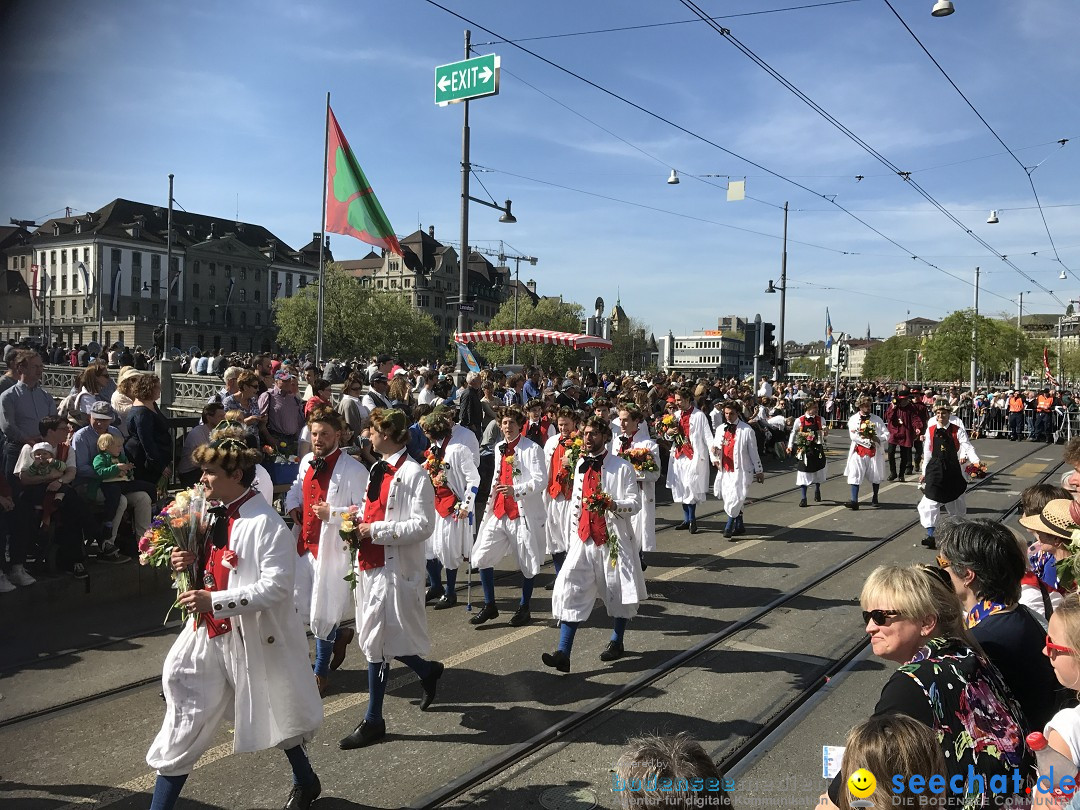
(314, 490)
(215, 574)
(686, 449)
(506, 505)
(371, 554)
(591, 525)
(445, 499)
(559, 481)
(727, 456)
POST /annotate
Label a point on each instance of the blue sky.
(104, 100)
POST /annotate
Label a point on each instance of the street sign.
(466, 308)
(469, 78)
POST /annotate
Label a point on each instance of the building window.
(63, 256)
(258, 273)
(243, 296)
(378, 284)
(303, 282)
(213, 268)
(274, 278)
(243, 318)
(172, 310)
(243, 273)
(136, 260)
(258, 319)
(135, 308)
(258, 296)
(408, 283)
(155, 262)
(52, 257)
(86, 254)
(195, 267)
(115, 257)
(155, 310)
(228, 270)
(212, 292)
(213, 315)
(63, 282)
(195, 291)
(393, 284)
(195, 314)
(63, 308)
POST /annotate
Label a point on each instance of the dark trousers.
(487, 473)
(1044, 427)
(1016, 425)
(905, 459)
(13, 536)
(70, 518)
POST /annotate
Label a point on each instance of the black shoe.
(341, 646)
(693, 527)
(644, 565)
(892, 476)
(448, 601)
(852, 505)
(929, 541)
(364, 734)
(740, 529)
(802, 503)
(874, 501)
(817, 495)
(303, 796)
(728, 529)
(486, 614)
(683, 526)
(521, 617)
(558, 659)
(434, 594)
(902, 481)
(430, 684)
(613, 652)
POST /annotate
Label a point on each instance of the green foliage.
(948, 352)
(357, 322)
(629, 348)
(892, 359)
(814, 366)
(549, 313)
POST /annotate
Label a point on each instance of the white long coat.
(866, 468)
(459, 434)
(529, 494)
(733, 487)
(450, 540)
(274, 696)
(688, 478)
(556, 508)
(390, 618)
(321, 592)
(576, 587)
(644, 522)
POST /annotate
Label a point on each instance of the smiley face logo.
(862, 784)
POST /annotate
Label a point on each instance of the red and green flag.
(351, 206)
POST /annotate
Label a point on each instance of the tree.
(894, 359)
(548, 313)
(947, 353)
(628, 346)
(814, 366)
(357, 322)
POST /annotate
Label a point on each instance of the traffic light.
(768, 341)
(842, 356)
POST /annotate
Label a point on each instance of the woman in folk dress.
(810, 459)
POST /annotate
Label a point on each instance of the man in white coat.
(559, 452)
(243, 655)
(514, 518)
(688, 468)
(644, 522)
(735, 456)
(328, 483)
(399, 511)
(866, 456)
(602, 560)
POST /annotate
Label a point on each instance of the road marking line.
(1029, 469)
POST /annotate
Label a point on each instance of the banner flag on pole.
(828, 330)
(351, 205)
(1046, 366)
(34, 269)
(228, 300)
(736, 190)
(85, 274)
(114, 300)
(467, 356)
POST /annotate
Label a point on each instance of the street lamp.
(517, 286)
(1019, 335)
(906, 353)
(783, 302)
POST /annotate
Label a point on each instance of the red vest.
(215, 573)
(444, 496)
(727, 447)
(371, 554)
(952, 432)
(686, 449)
(559, 480)
(591, 525)
(314, 491)
(506, 505)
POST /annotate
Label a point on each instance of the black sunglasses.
(879, 617)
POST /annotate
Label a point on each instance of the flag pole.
(100, 304)
(322, 237)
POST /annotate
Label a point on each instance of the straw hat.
(126, 373)
(1054, 519)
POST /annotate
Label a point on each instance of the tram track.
(558, 731)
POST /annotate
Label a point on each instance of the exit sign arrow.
(467, 79)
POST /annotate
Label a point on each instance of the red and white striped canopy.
(506, 337)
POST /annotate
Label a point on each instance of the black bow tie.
(507, 450)
(437, 452)
(375, 479)
(625, 440)
(731, 427)
(591, 463)
(219, 528)
(318, 464)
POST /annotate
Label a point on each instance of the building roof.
(920, 321)
(362, 268)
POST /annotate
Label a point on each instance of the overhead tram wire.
(979, 115)
(661, 24)
(828, 198)
(793, 283)
(726, 34)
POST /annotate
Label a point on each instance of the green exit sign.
(469, 78)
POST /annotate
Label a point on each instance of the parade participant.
(807, 439)
(601, 559)
(735, 456)
(327, 484)
(866, 459)
(905, 426)
(922, 412)
(945, 451)
(1016, 415)
(644, 522)
(399, 511)
(539, 428)
(514, 519)
(243, 654)
(688, 468)
(560, 456)
(455, 479)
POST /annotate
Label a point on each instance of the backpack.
(68, 410)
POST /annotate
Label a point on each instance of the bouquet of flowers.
(642, 460)
(573, 447)
(284, 453)
(352, 540)
(867, 430)
(805, 439)
(511, 459)
(975, 471)
(436, 468)
(668, 428)
(179, 526)
(601, 503)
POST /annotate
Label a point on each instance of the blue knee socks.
(691, 511)
(302, 772)
(323, 651)
(451, 580)
(487, 583)
(526, 590)
(739, 520)
(854, 493)
(730, 524)
(566, 637)
(434, 572)
(558, 557)
(619, 630)
(929, 531)
(376, 679)
(167, 791)
(421, 667)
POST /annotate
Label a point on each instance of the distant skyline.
(105, 100)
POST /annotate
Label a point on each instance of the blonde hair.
(1068, 612)
(231, 454)
(106, 441)
(917, 594)
(891, 744)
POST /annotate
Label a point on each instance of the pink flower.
(144, 544)
(229, 559)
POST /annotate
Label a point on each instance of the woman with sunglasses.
(944, 681)
(1062, 643)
